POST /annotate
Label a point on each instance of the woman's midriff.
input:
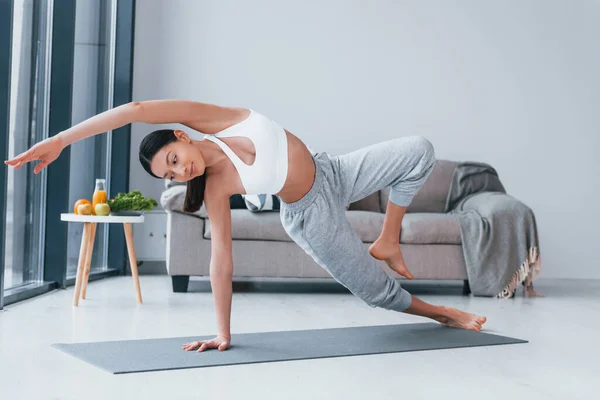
(301, 171)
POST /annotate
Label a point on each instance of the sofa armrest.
(187, 252)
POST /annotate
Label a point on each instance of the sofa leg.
(466, 287)
(180, 283)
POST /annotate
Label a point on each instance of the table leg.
(132, 260)
(88, 259)
(81, 264)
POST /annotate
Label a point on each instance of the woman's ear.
(181, 135)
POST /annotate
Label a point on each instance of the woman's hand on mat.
(220, 342)
(46, 151)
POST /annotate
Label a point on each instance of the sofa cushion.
(173, 199)
(367, 224)
(370, 203)
(246, 225)
(416, 228)
(432, 196)
(430, 228)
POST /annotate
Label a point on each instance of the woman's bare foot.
(391, 254)
(460, 319)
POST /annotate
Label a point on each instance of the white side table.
(87, 245)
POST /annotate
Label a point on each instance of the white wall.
(511, 83)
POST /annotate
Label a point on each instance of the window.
(38, 252)
(23, 255)
(92, 83)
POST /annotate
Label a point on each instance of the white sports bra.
(268, 173)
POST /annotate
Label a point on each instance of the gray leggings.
(317, 222)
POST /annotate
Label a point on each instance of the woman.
(242, 152)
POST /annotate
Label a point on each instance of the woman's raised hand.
(46, 151)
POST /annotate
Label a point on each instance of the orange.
(79, 202)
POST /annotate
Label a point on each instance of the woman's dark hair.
(152, 143)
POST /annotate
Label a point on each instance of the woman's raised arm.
(151, 112)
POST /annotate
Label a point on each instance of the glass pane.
(25, 191)
(90, 158)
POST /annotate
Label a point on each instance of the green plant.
(132, 201)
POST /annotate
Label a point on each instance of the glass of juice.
(99, 194)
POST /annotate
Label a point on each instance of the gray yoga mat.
(121, 357)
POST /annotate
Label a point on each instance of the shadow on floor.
(293, 285)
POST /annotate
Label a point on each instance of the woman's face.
(180, 161)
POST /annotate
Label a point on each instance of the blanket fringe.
(524, 275)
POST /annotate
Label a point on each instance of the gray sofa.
(430, 239)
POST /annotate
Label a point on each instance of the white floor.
(560, 362)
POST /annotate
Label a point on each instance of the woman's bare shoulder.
(218, 184)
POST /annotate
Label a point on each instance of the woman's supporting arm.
(221, 262)
(222, 289)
